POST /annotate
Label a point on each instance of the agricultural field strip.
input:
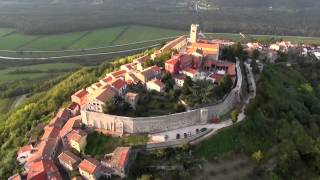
(80, 55)
(90, 49)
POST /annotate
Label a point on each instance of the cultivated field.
(33, 72)
(11, 40)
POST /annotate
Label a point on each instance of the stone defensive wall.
(167, 122)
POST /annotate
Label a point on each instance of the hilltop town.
(60, 151)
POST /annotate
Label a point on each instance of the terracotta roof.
(44, 170)
(50, 132)
(120, 155)
(173, 43)
(131, 94)
(15, 177)
(63, 113)
(74, 122)
(25, 148)
(118, 84)
(151, 71)
(81, 93)
(76, 135)
(173, 61)
(106, 80)
(73, 106)
(142, 59)
(216, 77)
(118, 73)
(106, 94)
(191, 71)
(97, 85)
(207, 48)
(90, 165)
(69, 158)
(44, 150)
(158, 83)
(131, 78)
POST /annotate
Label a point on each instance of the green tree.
(257, 156)
(187, 86)
(254, 66)
(168, 81)
(234, 115)
(255, 54)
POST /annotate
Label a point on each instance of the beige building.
(194, 33)
(120, 160)
(69, 160)
(90, 169)
(77, 139)
(148, 74)
(132, 99)
(155, 85)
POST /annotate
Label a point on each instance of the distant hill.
(266, 3)
(281, 17)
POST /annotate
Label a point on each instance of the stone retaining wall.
(167, 122)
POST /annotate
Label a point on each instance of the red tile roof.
(69, 158)
(107, 79)
(191, 71)
(90, 165)
(74, 122)
(15, 177)
(159, 83)
(118, 84)
(44, 150)
(76, 135)
(106, 94)
(173, 61)
(44, 170)
(81, 93)
(120, 155)
(25, 148)
(168, 46)
(142, 59)
(132, 79)
(207, 48)
(50, 132)
(216, 77)
(118, 73)
(63, 113)
(73, 106)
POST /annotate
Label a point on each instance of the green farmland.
(33, 72)
(81, 40)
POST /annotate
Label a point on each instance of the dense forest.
(285, 17)
(282, 124)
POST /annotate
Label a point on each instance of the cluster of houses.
(196, 58)
(116, 84)
(60, 145)
(65, 137)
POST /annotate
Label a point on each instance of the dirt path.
(18, 100)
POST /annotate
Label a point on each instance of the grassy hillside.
(47, 98)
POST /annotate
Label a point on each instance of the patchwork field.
(10, 40)
(35, 71)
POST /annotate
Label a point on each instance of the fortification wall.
(163, 123)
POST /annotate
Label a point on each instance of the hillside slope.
(283, 122)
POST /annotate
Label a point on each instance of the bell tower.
(194, 33)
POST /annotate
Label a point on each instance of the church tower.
(194, 33)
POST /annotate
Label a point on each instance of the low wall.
(167, 122)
